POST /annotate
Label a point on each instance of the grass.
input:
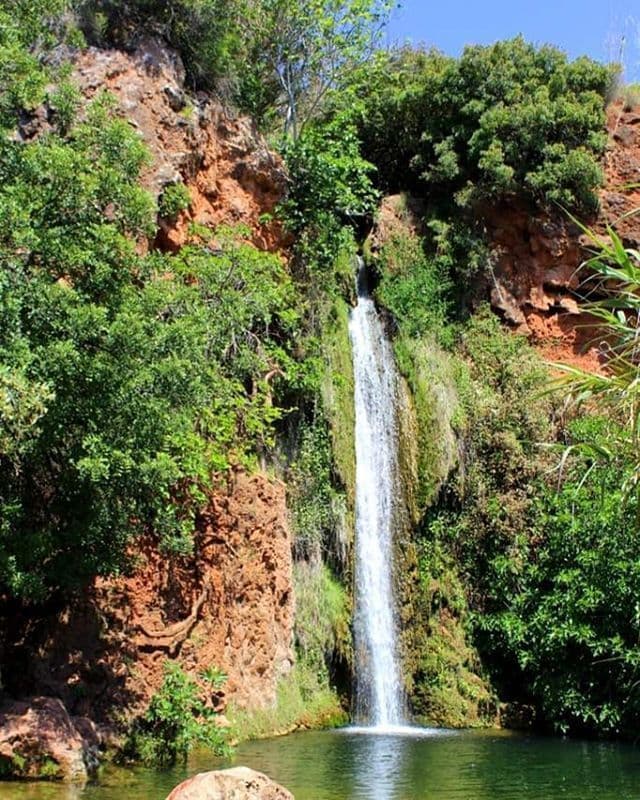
(302, 701)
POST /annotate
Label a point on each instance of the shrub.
(412, 287)
(501, 120)
(174, 199)
(330, 188)
(179, 718)
(630, 96)
(563, 630)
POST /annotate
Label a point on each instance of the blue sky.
(592, 27)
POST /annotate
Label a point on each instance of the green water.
(444, 766)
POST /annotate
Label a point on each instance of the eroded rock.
(239, 783)
(233, 177)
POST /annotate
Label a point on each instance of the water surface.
(354, 766)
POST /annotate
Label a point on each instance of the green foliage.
(611, 284)
(275, 58)
(548, 562)
(501, 120)
(307, 49)
(126, 381)
(412, 287)
(315, 504)
(565, 624)
(330, 187)
(28, 28)
(179, 718)
(501, 422)
(64, 102)
(629, 94)
(174, 199)
(429, 440)
(206, 33)
(337, 392)
(561, 621)
(29, 766)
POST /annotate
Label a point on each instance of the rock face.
(233, 178)
(230, 605)
(534, 280)
(38, 739)
(239, 783)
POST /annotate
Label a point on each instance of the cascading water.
(379, 696)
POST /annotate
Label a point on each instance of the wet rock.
(239, 783)
(38, 739)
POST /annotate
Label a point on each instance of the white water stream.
(379, 696)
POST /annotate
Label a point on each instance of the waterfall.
(379, 696)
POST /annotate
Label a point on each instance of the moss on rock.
(449, 687)
(338, 392)
(430, 438)
(306, 696)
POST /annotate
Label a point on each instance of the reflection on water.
(347, 765)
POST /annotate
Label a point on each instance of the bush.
(180, 717)
(501, 120)
(630, 96)
(174, 199)
(564, 625)
(501, 422)
(330, 188)
(206, 33)
(548, 563)
(412, 287)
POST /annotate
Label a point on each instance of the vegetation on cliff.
(132, 378)
(528, 559)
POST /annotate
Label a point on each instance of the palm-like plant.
(612, 297)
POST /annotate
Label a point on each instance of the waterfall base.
(396, 730)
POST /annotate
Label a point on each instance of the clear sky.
(591, 27)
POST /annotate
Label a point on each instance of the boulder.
(239, 783)
(38, 739)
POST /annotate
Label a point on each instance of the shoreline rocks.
(40, 740)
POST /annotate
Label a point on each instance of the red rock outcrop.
(232, 176)
(535, 278)
(239, 783)
(230, 605)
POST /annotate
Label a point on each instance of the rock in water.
(38, 739)
(239, 783)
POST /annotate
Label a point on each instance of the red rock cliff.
(535, 279)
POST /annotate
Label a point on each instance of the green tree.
(311, 47)
(180, 717)
(500, 120)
